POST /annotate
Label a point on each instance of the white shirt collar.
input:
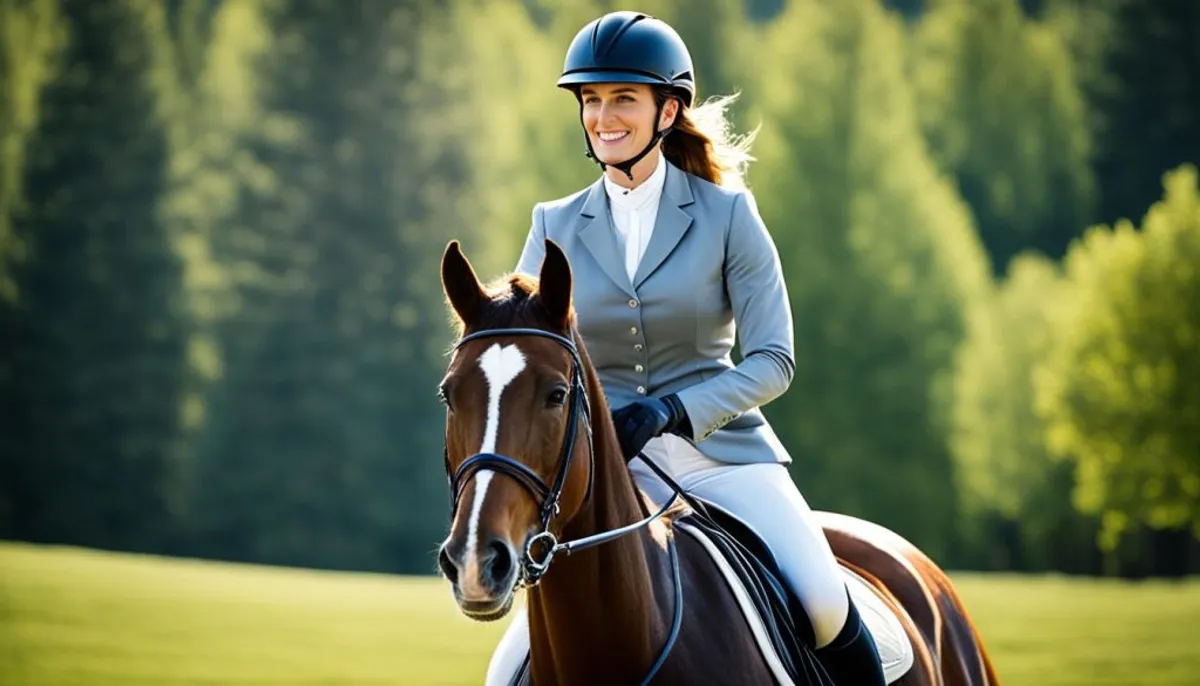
(648, 191)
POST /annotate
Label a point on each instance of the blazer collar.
(670, 225)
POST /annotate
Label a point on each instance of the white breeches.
(765, 498)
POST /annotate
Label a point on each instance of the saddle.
(784, 620)
(782, 627)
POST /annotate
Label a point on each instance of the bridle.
(548, 497)
(532, 568)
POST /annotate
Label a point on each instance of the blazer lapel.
(597, 234)
(670, 225)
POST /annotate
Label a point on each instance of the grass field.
(78, 617)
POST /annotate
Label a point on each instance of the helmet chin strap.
(627, 165)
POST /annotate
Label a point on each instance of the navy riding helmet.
(629, 47)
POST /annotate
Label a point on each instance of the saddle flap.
(754, 577)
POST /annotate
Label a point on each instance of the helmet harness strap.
(627, 165)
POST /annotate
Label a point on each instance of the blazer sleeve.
(534, 251)
(763, 317)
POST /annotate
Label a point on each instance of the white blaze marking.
(500, 364)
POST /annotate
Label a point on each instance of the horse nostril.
(449, 569)
(497, 562)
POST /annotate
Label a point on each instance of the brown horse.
(532, 458)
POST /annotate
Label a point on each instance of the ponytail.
(702, 143)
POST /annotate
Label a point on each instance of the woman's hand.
(642, 420)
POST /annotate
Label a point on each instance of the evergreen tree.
(95, 341)
(1147, 102)
(911, 10)
(530, 146)
(323, 439)
(190, 25)
(211, 111)
(32, 31)
(1003, 113)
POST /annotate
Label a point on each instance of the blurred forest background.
(221, 224)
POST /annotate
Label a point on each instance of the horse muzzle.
(483, 580)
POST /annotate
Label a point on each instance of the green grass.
(1060, 631)
(70, 616)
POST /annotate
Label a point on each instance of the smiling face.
(619, 118)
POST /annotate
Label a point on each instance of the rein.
(532, 568)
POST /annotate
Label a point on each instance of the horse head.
(517, 429)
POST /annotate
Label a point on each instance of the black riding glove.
(642, 420)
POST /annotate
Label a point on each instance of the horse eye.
(557, 397)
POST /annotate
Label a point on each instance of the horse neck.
(608, 607)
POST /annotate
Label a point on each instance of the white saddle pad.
(895, 649)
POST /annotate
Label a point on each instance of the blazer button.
(633, 330)
(637, 347)
(641, 390)
(633, 303)
(638, 368)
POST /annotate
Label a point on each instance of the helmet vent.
(599, 50)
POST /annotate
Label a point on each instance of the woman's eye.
(557, 397)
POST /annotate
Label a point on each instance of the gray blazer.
(710, 272)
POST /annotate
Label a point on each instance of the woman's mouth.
(612, 137)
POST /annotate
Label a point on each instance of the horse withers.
(621, 590)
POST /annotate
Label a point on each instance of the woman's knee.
(767, 500)
(827, 611)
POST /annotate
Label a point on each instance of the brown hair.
(702, 143)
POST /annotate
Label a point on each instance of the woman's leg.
(764, 497)
(511, 651)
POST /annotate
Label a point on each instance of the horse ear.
(460, 284)
(554, 284)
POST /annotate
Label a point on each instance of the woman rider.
(673, 263)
